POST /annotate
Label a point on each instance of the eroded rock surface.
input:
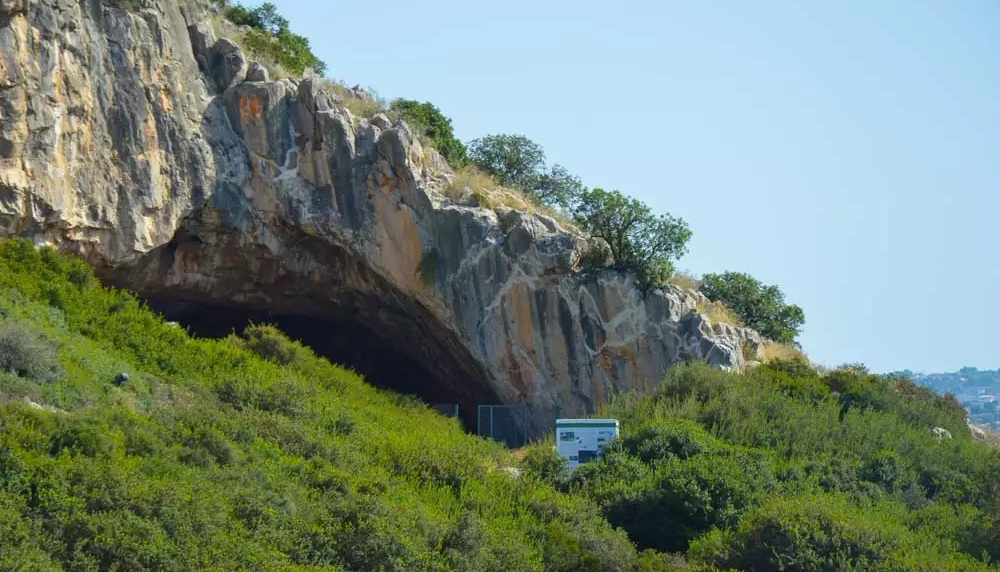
(167, 159)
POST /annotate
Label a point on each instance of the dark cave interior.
(425, 371)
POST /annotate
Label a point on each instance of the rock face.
(137, 140)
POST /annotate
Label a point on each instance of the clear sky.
(848, 152)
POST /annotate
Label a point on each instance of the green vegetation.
(782, 468)
(638, 240)
(253, 453)
(270, 40)
(516, 161)
(243, 454)
(759, 306)
(432, 124)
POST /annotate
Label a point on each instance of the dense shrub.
(668, 440)
(821, 532)
(270, 39)
(545, 463)
(25, 353)
(758, 306)
(432, 124)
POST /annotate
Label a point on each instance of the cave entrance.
(408, 360)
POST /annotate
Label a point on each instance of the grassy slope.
(253, 454)
(212, 458)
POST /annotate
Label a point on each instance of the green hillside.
(242, 454)
(251, 453)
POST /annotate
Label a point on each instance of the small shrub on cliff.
(471, 185)
(719, 313)
(269, 38)
(760, 306)
(639, 241)
(431, 123)
(362, 104)
(686, 281)
(776, 351)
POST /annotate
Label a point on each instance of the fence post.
(491, 421)
(524, 432)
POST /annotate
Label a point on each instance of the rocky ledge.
(170, 162)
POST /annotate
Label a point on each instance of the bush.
(823, 532)
(269, 38)
(431, 123)
(665, 441)
(639, 241)
(545, 463)
(26, 353)
(664, 509)
(271, 344)
(759, 306)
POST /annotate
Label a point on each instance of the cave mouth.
(416, 366)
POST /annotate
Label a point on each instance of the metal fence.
(447, 409)
(505, 423)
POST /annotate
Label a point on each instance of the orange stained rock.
(149, 129)
(409, 240)
(251, 108)
(386, 182)
(515, 373)
(606, 359)
(166, 103)
(519, 300)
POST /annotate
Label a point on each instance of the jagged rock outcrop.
(168, 160)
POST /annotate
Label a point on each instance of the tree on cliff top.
(517, 161)
(638, 240)
(758, 305)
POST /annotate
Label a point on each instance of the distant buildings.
(977, 390)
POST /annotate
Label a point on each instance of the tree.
(759, 306)
(517, 161)
(558, 187)
(264, 17)
(429, 120)
(638, 241)
(514, 160)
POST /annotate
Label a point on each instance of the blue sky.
(848, 152)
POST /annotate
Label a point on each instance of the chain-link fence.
(505, 423)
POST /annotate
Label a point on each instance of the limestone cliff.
(136, 139)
